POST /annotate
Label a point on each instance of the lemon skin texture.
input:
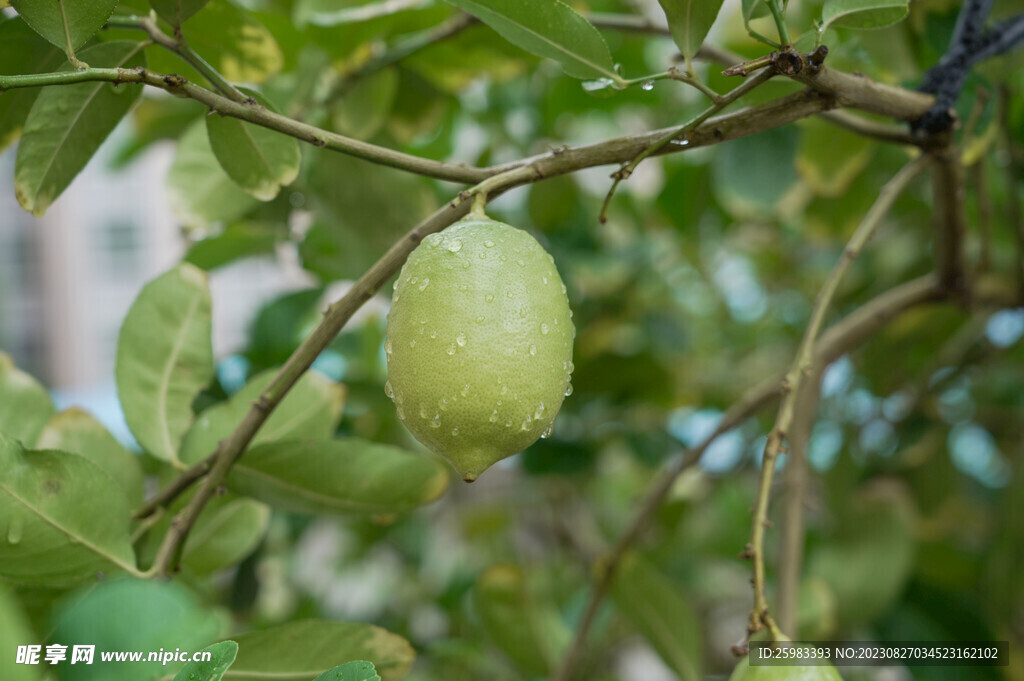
(479, 343)
(745, 672)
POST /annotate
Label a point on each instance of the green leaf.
(358, 670)
(862, 13)
(365, 107)
(532, 636)
(62, 518)
(62, 20)
(311, 409)
(222, 656)
(76, 431)
(338, 476)
(548, 28)
(258, 159)
(14, 631)
(67, 124)
(133, 614)
(238, 240)
(690, 21)
(25, 406)
(661, 612)
(199, 190)
(177, 12)
(24, 53)
(305, 649)
(753, 9)
(231, 40)
(225, 537)
(165, 357)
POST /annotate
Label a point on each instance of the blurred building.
(68, 278)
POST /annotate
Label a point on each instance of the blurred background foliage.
(697, 287)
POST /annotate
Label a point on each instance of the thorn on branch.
(816, 59)
(748, 551)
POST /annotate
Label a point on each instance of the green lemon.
(479, 343)
(745, 672)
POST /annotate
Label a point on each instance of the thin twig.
(760, 616)
(719, 102)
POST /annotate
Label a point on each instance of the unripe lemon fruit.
(744, 671)
(479, 343)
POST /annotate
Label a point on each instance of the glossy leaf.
(14, 631)
(24, 52)
(177, 12)
(60, 21)
(165, 357)
(690, 21)
(258, 159)
(62, 518)
(133, 614)
(862, 13)
(548, 28)
(76, 431)
(199, 190)
(338, 476)
(224, 537)
(358, 670)
(311, 409)
(530, 634)
(753, 9)
(232, 40)
(25, 406)
(661, 612)
(306, 648)
(222, 657)
(67, 124)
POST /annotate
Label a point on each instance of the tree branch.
(791, 384)
(190, 56)
(860, 92)
(950, 216)
(254, 113)
(884, 132)
(791, 550)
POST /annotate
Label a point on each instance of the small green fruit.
(745, 672)
(479, 343)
